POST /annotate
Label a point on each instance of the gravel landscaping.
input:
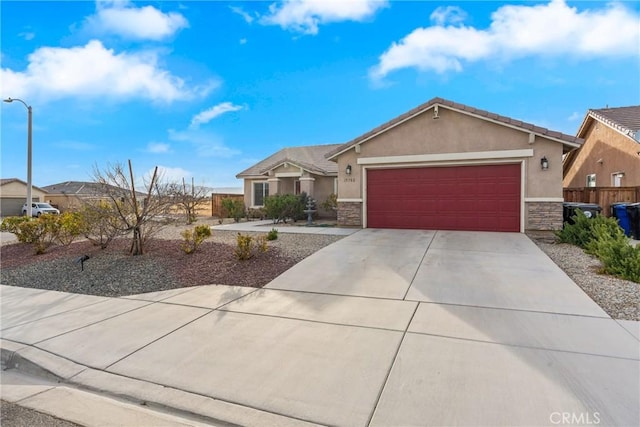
(113, 272)
(619, 298)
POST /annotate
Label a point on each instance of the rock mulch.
(619, 298)
(113, 272)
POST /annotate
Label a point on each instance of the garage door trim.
(492, 156)
(522, 163)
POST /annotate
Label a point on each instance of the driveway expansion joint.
(529, 347)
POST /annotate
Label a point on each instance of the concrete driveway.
(382, 328)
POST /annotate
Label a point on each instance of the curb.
(198, 408)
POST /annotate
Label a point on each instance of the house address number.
(349, 180)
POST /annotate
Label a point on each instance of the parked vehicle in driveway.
(38, 209)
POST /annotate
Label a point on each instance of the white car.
(38, 209)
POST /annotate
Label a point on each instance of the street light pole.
(29, 151)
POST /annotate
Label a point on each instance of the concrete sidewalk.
(381, 328)
(299, 228)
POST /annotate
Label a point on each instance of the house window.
(616, 179)
(296, 187)
(260, 191)
(591, 180)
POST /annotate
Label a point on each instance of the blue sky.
(204, 89)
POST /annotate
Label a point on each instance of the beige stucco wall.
(322, 186)
(618, 153)
(18, 189)
(455, 132)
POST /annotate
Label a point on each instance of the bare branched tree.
(135, 213)
(188, 198)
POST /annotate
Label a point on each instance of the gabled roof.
(566, 140)
(625, 120)
(311, 158)
(4, 181)
(74, 188)
(78, 188)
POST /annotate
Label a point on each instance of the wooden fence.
(216, 202)
(603, 196)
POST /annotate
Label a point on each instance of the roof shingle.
(561, 137)
(311, 158)
(624, 119)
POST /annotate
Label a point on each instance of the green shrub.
(256, 213)
(582, 231)
(40, 232)
(273, 234)
(331, 203)
(71, 226)
(281, 207)
(12, 224)
(247, 246)
(100, 223)
(603, 237)
(618, 257)
(233, 208)
(193, 238)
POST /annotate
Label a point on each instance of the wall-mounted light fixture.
(544, 163)
(435, 112)
(348, 170)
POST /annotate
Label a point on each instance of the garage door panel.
(483, 198)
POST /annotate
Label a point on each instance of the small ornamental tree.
(139, 216)
(188, 198)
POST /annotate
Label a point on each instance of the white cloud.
(552, 29)
(209, 114)
(304, 16)
(448, 15)
(27, 35)
(205, 144)
(243, 41)
(158, 148)
(139, 23)
(238, 10)
(95, 71)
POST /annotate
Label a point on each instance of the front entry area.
(466, 198)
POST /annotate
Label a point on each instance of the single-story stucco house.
(70, 195)
(292, 170)
(440, 166)
(13, 194)
(610, 155)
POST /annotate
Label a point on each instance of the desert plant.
(40, 232)
(99, 223)
(188, 198)
(331, 203)
(273, 234)
(618, 257)
(256, 213)
(193, 238)
(71, 226)
(247, 246)
(11, 224)
(281, 207)
(582, 231)
(233, 208)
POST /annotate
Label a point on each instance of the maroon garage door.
(482, 198)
